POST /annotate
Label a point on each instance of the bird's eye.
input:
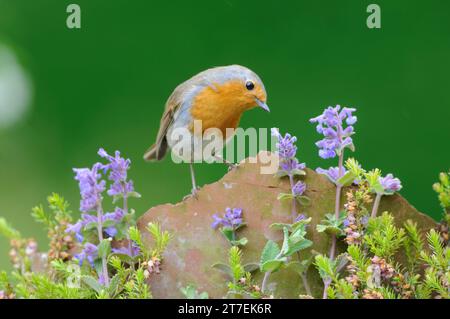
(250, 85)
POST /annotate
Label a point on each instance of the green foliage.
(241, 284)
(332, 225)
(234, 260)
(231, 235)
(443, 189)
(301, 199)
(191, 292)
(372, 269)
(373, 179)
(160, 237)
(63, 277)
(7, 230)
(59, 211)
(273, 257)
(355, 168)
(413, 244)
(383, 238)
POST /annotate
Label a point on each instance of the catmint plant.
(91, 188)
(229, 224)
(120, 188)
(336, 126)
(442, 188)
(290, 167)
(379, 185)
(112, 224)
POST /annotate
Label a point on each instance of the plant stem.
(100, 239)
(306, 284)
(337, 207)
(267, 275)
(294, 200)
(325, 289)
(376, 204)
(264, 282)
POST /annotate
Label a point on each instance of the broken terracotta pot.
(195, 246)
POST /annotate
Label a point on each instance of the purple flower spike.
(287, 152)
(331, 125)
(126, 251)
(91, 187)
(299, 188)
(390, 184)
(232, 219)
(118, 173)
(89, 253)
(116, 216)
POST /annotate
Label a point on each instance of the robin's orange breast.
(219, 106)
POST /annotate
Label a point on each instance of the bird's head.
(239, 87)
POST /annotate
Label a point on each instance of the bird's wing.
(172, 105)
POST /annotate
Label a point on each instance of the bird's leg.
(226, 162)
(194, 184)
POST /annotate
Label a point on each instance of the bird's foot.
(232, 166)
(193, 194)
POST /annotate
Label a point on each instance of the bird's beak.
(262, 104)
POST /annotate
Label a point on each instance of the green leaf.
(347, 179)
(134, 194)
(223, 268)
(114, 285)
(251, 267)
(92, 283)
(298, 172)
(272, 265)
(331, 225)
(300, 245)
(285, 196)
(241, 242)
(285, 246)
(108, 223)
(104, 248)
(304, 200)
(281, 173)
(270, 252)
(228, 233)
(378, 188)
(281, 226)
(299, 266)
(89, 226)
(331, 230)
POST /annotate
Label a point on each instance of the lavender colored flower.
(331, 125)
(118, 173)
(126, 250)
(287, 152)
(299, 188)
(286, 148)
(232, 218)
(91, 187)
(390, 184)
(116, 216)
(291, 164)
(74, 228)
(346, 222)
(89, 253)
(111, 231)
(332, 173)
(299, 218)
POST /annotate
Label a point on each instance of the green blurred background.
(106, 84)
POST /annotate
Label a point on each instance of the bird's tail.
(156, 152)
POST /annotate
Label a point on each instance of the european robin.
(217, 97)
